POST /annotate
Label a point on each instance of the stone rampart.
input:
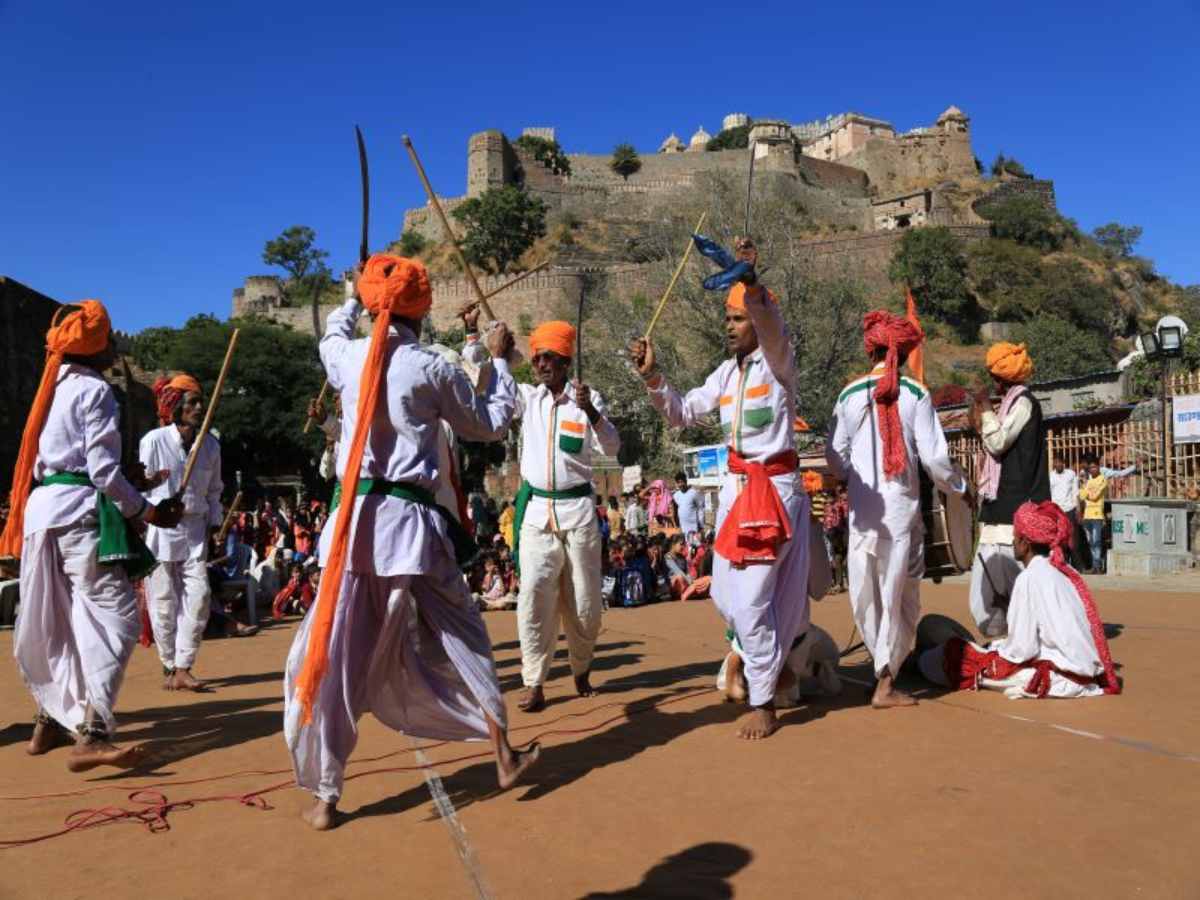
(24, 320)
(1039, 188)
(911, 161)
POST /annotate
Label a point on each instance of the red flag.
(916, 359)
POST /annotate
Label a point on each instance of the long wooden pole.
(504, 287)
(308, 421)
(228, 523)
(674, 278)
(208, 415)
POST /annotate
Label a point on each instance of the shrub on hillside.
(545, 151)
(933, 262)
(1006, 278)
(1060, 349)
(1024, 218)
(411, 243)
(501, 224)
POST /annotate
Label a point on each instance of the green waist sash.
(465, 547)
(120, 543)
(527, 492)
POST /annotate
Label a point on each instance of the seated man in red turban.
(70, 526)
(760, 566)
(1055, 645)
(884, 425)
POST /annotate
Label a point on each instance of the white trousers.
(1002, 571)
(77, 627)
(413, 650)
(766, 604)
(560, 581)
(885, 595)
(178, 596)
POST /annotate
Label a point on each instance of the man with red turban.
(177, 591)
(1055, 646)
(70, 526)
(884, 425)
(760, 566)
(1013, 468)
(394, 630)
(555, 528)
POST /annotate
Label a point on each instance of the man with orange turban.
(760, 567)
(70, 526)
(555, 528)
(884, 425)
(394, 630)
(1013, 468)
(177, 591)
(1055, 646)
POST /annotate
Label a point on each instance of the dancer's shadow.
(563, 764)
(512, 681)
(1113, 630)
(701, 872)
(660, 678)
(561, 652)
(250, 678)
(16, 733)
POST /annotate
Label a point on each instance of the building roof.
(700, 137)
(952, 112)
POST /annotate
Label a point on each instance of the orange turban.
(899, 336)
(737, 297)
(83, 331)
(813, 482)
(169, 391)
(557, 337)
(400, 285)
(1009, 362)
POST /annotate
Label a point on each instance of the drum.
(949, 532)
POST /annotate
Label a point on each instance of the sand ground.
(643, 791)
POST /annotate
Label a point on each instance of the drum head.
(960, 530)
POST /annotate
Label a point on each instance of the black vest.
(1024, 471)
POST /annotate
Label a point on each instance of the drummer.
(883, 424)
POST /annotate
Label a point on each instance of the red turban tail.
(899, 336)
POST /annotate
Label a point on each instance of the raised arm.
(933, 450)
(999, 435)
(682, 411)
(772, 335)
(339, 332)
(102, 448)
(475, 417)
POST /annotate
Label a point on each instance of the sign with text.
(1186, 418)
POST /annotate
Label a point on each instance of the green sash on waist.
(120, 543)
(527, 492)
(465, 547)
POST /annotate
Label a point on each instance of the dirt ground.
(644, 791)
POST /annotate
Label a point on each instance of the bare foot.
(533, 700)
(759, 723)
(168, 679)
(888, 697)
(583, 686)
(511, 765)
(183, 680)
(240, 630)
(47, 734)
(736, 688)
(322, 815)
(90, 754)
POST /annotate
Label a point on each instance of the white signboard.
(630, 476)
(1186, 418)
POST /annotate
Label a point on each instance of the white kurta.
(79, 622)
(886, 551)
(766, 604)
(177, 591)
(408, 642)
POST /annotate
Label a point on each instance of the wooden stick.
(674, 278)
(308, 421)
(228, 523)
(437, 208)
(208, 415)
(504, 287)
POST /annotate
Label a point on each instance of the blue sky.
(149, 150)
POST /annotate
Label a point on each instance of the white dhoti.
(766, 604)
(1001, 574)
(412, 650)
(179, 596)
(814, 662)
(560, 581)
(885, 594)
(77, 627)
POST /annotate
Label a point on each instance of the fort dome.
(700, 139)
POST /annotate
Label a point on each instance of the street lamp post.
(1164, 344)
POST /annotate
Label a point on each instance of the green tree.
(625, 160)
(1069, 290)
(1006, 278)
(295, 252)
(545, 151)
(933, 262)
(411, 243)
(1024, 218)
(1060, 349)
(501, 224)
(731, 139)
(1118, 240)
(149, 347)
(1006, 166)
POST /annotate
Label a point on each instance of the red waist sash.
(758, 522)
(966, 666)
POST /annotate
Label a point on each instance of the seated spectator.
(493, 592)
(678, 568)
(296, 595)
(657, 557)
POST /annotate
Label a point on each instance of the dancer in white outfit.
(394, 630)
(883, 426)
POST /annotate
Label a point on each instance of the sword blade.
(749, 192)
(365, 177)
(579, 331)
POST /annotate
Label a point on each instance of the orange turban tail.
(557, 337)
(389, 285)
(1009, 362)
(169, 391)
(737, 297)
(83, 331)
(899, 336)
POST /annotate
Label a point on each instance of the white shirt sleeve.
(339, 332)
(999, 436)
(605, 437)
(837, 449)
(1022, 643)
(933, 450)
(683, 412)
(102, 449)
(773, 337)
(473, 417)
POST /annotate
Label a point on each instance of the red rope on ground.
(155, 807)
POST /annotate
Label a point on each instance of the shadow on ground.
(701, 872)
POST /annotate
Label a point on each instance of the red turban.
(83, 331)
(400, 285)
(899, 336)
(557, 337)
(169, 391)
(1046, 525)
